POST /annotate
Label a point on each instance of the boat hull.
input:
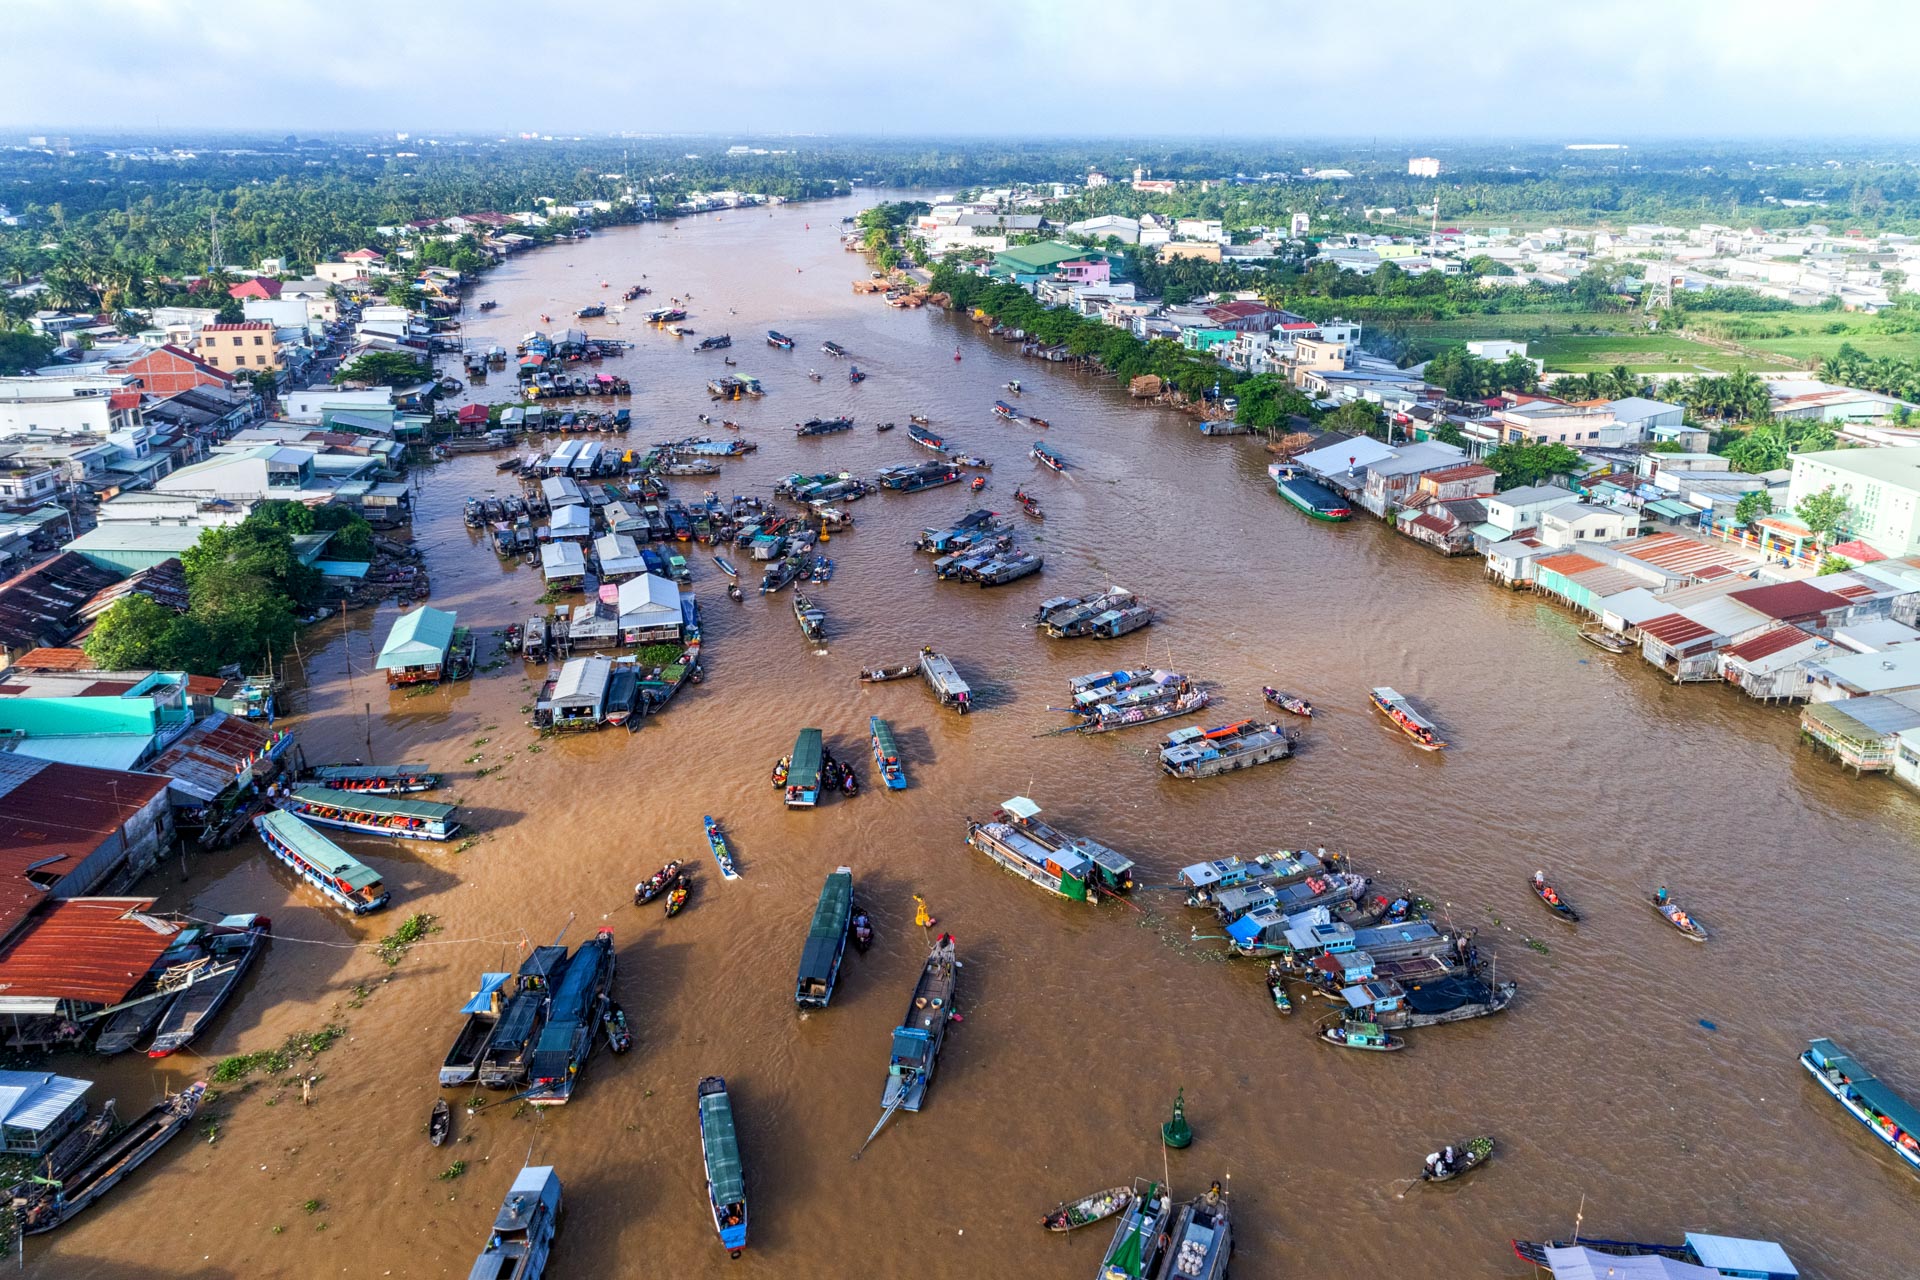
(1838, 1093)
(1323, 505)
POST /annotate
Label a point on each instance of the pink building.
(1084, 271)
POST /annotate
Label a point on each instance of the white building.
(1423, 167)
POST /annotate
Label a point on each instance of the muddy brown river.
(1649, 1081)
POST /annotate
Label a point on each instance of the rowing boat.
(1288, 702)
(717, 841)
(1550, 899)
(1670, 911)
(1474, 1152)
(1088, 1209)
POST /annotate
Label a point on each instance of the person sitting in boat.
(1681, 918)
(1433, 1163)
(1337, 1034)
(1446, 1160)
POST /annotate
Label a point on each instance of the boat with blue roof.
(1074, 867)
(523, 1230)
(1884, 1113)
(573, 1022)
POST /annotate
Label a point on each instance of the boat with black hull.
(1201, 1239)
(917, 1040)
(822, 426)
(233, 944)
(504, 1061)
(926, 438)
(573, 1023)
(522, 1236)
(38, 1207)
(811, 617)
(483, 1015)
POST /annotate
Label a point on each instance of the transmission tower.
(213, 242)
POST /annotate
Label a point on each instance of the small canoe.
(1600, 638)
(1670, 911)
(614, 1023)
(678, 897)
(718, 843)
(440, 1124)
(1088, 1210)
(656, 884)
(1038, 422)
(875, 675)
(1372, 1038)
(1287, 702)
(1471, 1154)
(1277, 988)
(726, 566)
(1550, 899)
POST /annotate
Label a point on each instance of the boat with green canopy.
(886, 754)
(340, 877)
(375, 815)
(826, 943)
(1886, 1115)
(1140, 1238)
(390, 779)
(803, 771)
(726, 1181)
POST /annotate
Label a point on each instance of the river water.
(1605, 1085)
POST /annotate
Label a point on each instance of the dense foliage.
(1524, 463)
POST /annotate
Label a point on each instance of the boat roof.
(360, 802)
(1107, 859)
(835, 906)
(536, 1184)
(482, 1000)
(1582, 1263)
(1731, 1255)
(943, 673)
(804, 769)
(1870, 1088)
(884, 732)
(722, 1147)
(357, 772)
(1020, 807)
(1244, 897)
(588, 962)
(318, 852)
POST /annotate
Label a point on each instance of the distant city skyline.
(1611, 70)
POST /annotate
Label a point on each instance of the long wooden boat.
(1140, 1241)
(1597, 635)
(1722, 1255)
(917, 1040)
(1398, 709)
(1074, 867)
(1312, 498)
(341, 878)
(1201, 1240)
(826, 943)
(1886, 1115)
(1550, 899)
(235, 942)
(720, 1152)
(482, 1008)
(1473, 1153)
(1689, 928)
(874, 675)
(130, 1148)
(811, 617)
(1088, 1209)
(717, 842)
(573, 1022)
(387, 816)
(1361, 1035)
(886, 754)
(1288, 702)
(1203, 753)
(522, 1237)
(1107, 717)
(394, 779)
(504, 1061)
(1047, 457)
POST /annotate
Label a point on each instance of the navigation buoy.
(1177, 1133)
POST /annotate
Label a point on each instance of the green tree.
(1269, 401)
(1825, 513)
(20, 351)
(135, 631)
(1357, 417)
(1524, 463)
(1448, 433)
(230, 312)
(1752, 506)
(1831, 563)
(383, 369)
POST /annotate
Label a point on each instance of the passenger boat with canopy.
(886, 754)
(720, 1152)
(802, 779)
(1047, 457)
(1202, 753)
(826, 944)
(341, 878)
(1398, 709)
(375, 815)
(1886, 1115)
(390, 780)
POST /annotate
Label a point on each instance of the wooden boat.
(482, 1008)
(874, 675)
(1288, 702)
(1670, 911)
(811, 617)
(801, 777)
(1398, 709)
(342, 879)
(236, 942)
(1886, 1115)
(43, 1209)
(1088, 1209)
(614, 1023)
(883, 426)
(920, 418)
(917, 1040)
(1140, 1241)
(717, 841)
(677, 896)
(944, 679)
(573, 1011)
(397, 779)
(439, 1123)
(522, 1236)
(1361, 1035)
(715, 343)
(886, 754)
(1076, 867)
(720, 1152)
(1201, 1240)
(1550, 899)
(1277, 987)
(1038, 422)
(1047, 457)
(656, 884)
(726, 566)
(826, 943)
(1597, 635)
(1473, 1153)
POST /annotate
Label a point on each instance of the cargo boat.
(914, 477)
(826, 944)
(822, 426)
(523, 1230)
(917, 1041)
(373, 814)
(811, 617)
(803, 771)
(504, 1061)
(42, 1209)
(340, 877)
(235, 943)
(1106, 718)
(1198, 753)
(573, 1023)
(720, 1152)
(1312, 498)
(1073, 867)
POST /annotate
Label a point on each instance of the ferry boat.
(1140, 1241)
(826, 943)
(341, 878)
(780, 340)
(1001, 409)
(1201, 1240)
(372, 814)
(944, 679)
(573, 1023)
(886, 754)
(1198, 753)
(833, 349)
(523, 1230)
(483, 1015)
(803, 771)
(1310, 496)
(233, 945)
(1398, 709)
(1886, 1115)
(927, 438)
(822, 426)
(914, 477)
(1074, 867)
(1047, 457)
(38, 1207)
(720, 1150)
(917, 1040)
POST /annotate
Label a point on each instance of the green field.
(1816, 334)
(1644, 353)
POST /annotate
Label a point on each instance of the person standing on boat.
(1660, 896)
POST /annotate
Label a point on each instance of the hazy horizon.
(1610, 71)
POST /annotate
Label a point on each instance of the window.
(256, 340)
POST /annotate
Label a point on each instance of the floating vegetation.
(453, 1171)
(393, 947)
(302, 1046)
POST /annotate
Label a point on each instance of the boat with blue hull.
(1884, 1113)
(341, 878)
(800, 772)
(523, 1230)
(1310, 497)
(826, 944)
(573, 1023)
(720, 1152)
(886, 754)
(917, 1040)
(779, 340)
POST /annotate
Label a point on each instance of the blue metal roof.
(1731, 1255)
(32, 1100)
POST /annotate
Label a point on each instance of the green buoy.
(1177, 1133)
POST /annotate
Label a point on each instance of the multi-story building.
(252, 346)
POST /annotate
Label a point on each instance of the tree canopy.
(1523, 463)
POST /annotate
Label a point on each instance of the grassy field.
(1643, 353)
(1813, 335)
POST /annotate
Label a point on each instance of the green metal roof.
(361, 802)
(1672, 508)
(321, 853)
(418, 639)
(835, 905)
(722, 1149)
(1027, 258)
(804, 769)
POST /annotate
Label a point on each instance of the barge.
(1203, 753)
(944, 679)
(1310, 497)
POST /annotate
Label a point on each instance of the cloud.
(1599, 69)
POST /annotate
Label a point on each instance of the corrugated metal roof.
(1678, 554)
(94, 950)
(204, 760)
(1864, 719)
(1605, 580)
(1674, 631)
(1767, 643)
(42, 603)
(1789, 600)
(418, 639)
(1568, 563)
(33, 1100)
(1726, 616)
(53, 660)
(53, 815)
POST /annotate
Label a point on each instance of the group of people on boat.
(1672, 910)
(1442, 1163)
(1546, 890)
(836, 775)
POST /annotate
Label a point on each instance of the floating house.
(418, 647)
(577, 697)
(37, 1110)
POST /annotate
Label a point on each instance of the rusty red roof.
(1568, 563)
(94, 950)
(52, 816)
(1767, 642)
(1790, 600)
(206, 757)
(1674, 631)
(1678, 554)
(46, 659)
(243, 325)
(1465, 471)
(41, 603)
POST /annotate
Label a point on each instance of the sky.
(1596, 70)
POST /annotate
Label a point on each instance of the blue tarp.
(482, 1000)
